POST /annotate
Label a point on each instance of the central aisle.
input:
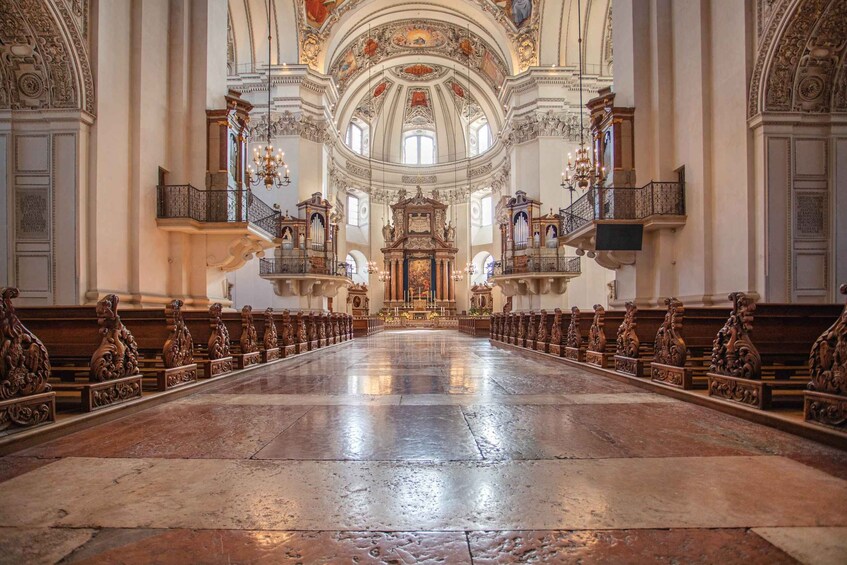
(422, 446)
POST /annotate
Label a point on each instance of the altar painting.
(420, 276)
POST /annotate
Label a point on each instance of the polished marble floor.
(424, 446)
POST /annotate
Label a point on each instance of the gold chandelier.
(384, 276)
(269, 165)
(585, 170)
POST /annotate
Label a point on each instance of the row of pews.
(90, 357)
(475, 325)
(788, 363)
(364, 326)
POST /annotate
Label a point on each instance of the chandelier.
(458, 276)
(470, 268)
(270, 167)
(372, 267)
(585, 170)
(384, 276)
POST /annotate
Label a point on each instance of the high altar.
(420, 256)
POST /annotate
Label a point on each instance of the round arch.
(360, 270)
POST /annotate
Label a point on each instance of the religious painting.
(380, 89)
(348, 66)
(317, 11)
(419, 70)
(419, 223)
(466, 46)
(418, 38)
(457, 89)
(371, 47)
(490, 69)
(418, 98)
(420, 276)
(518, 11)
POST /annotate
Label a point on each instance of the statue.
(449, 231)
(388, 233)
(302, 241)
(401, 195)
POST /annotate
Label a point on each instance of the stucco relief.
(801, 61)
(550, 124)
(288, 123)
(38, 58)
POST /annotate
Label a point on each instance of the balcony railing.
(215, 206)
(535, 264)
(304, 266)
(600, 203)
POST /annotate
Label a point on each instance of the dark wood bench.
(93, 354)
(27, 398)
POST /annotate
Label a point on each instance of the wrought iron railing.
(304, 266)
(535, 264)
(237, 206)
(601, 203)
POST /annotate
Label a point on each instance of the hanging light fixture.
(470, 268)
(372, 268)
(384, 276)
(270, 167)
(584, 170)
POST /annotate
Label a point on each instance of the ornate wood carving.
(313, 327)
(110, 392)
(24, 362)
(249, 340)
(301, 328)
(739, 390)
(733, 352)
(828, 357)
(270, 340)
(597, 334)
(541, 333)
(531, 327)
(219, 338)
(670, 348)
(627, 343)
(117, 355)
(287, 329)
(556, 330)
(179, 347)
(521, 333)
(574, 337)
(322, 322)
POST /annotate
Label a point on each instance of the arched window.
(419, 148)
(481, 139)
(351, 262)
(488, 267)
(357, 137)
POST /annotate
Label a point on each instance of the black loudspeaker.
(619, 237)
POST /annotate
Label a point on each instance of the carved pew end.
(272, 354)
(679, 377)
(97, 395)
(754, 393)
(629, 366)
(167, 379)
(825, 409)
(597, 359)
(575, 354)
(27, 411)
(216, 367)
(244, 360)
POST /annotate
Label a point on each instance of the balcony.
(306, 274)
(245, 225)
(534, 271)
(657, 205)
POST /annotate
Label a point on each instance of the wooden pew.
(270, 338)
(97, 368)
(772, 370)
(542, 332)
(26, 397)
(825, 401)
(218, 359)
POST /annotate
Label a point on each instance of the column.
(399, 285)
(437, 278)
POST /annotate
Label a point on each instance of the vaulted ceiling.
(387, 46)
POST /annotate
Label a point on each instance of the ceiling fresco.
(412, 37)
(519, 19)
